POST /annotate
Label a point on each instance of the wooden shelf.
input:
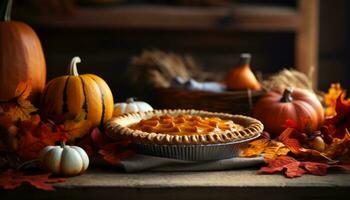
(238, 17)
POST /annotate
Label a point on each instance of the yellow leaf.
(270, 149)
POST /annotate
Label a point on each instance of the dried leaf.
(294, 145)
(33, 135)
(114, 152)
(294, 168)
(275, 149)
(285, 164)
(270, 149)
(338, 124)
(338, 147)
(12, 179)
(20, 107)
(255, 148)
(330, 99)
(92, 142)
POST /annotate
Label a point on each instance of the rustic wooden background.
(107, 51)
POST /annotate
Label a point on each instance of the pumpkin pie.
(183, 127)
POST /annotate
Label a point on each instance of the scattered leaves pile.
(23, 133)
(296, 152)
(12, 179)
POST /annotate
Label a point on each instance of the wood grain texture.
(306, 45)
(238, 17)
(235, 184)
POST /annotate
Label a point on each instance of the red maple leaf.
(294, 168)
(114, 152)
(338, 124)
(12, 179)
(33, 135)
(92, 142)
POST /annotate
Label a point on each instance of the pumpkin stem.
(72, 70)
(287, 95)
(245, 59)
(5, 10)
(130, 100)
(62, 144)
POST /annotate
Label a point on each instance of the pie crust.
(121, 128)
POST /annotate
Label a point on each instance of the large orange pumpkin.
(74, 95)
(21, 56)
(274, 108)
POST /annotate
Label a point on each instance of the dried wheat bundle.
(290, 78)
(155, 68)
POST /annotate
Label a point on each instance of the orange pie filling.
(186, 125)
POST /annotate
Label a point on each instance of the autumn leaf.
(338, 124)
(330, 99)
(8, 133)
(286, 164)
(19, 107)
(33, 135)
(12, 179)
(270, 149)
(255, 148)
(92, 142)
(338, 147)
(114, 152)
(291, 167)
(294, 145)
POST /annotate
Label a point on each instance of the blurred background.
(309, 35)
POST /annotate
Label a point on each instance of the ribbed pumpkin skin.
(304, 109)
(73, 96)
(21, 59)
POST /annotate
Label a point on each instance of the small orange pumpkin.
(241, 77)
(274, 108)
(77, 95)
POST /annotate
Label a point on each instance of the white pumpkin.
(64, 160)
(131, 106)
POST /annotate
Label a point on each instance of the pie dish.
(183, 127)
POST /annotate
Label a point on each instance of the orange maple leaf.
(294, 145)
(270, 149)
(330, 99)
(19, 108)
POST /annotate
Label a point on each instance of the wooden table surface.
(235, 184)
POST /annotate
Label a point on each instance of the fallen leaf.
(114, 152)
(330, 99)
(286, 164)
(291, 167)
(255, 148)
(92, 142)
(19, 108)
(294, 145)
(270, 149)
(12, 179)
(33, 135)
(338, 147)
(275, 149)
(338, 124)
